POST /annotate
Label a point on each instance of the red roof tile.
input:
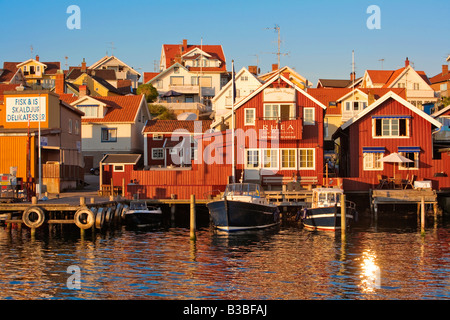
(149, 76)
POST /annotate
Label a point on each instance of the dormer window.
(90, 111)
(390, 126)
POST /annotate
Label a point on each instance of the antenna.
(66, 58)
(31, 50)
(278, 53)
(112, 48)
(156, 65)
(382, 61)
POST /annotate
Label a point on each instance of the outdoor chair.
(398, 181)
(382, 181)
(410, 182)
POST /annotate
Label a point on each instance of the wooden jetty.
(403, 196)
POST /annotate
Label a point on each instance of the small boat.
(325, 211)
(140, 215)
(243, 207)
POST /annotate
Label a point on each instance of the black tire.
(84, 218)
(100, 218)
(33, 217)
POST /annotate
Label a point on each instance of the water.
(386, 260)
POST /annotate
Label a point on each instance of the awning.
(392, 117)
(373, 149)
(408, 149)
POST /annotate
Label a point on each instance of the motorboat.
(243, 207)
(140, 215)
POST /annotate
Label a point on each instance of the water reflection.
(286, 262)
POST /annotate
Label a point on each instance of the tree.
(160, 112)
(149, 91)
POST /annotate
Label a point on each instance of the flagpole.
(232, 124)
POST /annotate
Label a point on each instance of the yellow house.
(289, 73)
(39, 75)
(29, 114)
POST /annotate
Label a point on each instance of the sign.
(290, 130)
(24, 109)
(279, 94)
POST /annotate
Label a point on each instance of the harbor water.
(384, 259)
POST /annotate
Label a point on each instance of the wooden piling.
(343, 217)
(192, 218)
(422, 215)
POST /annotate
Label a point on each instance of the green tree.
(149, 91)
(160, 112)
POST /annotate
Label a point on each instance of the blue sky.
(318, 36)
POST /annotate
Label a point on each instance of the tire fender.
(84, 218)
(33, 217)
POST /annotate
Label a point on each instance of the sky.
(317, 37)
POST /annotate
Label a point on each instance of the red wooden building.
(391, 124)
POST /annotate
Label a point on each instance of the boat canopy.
(138, 205)
(325, 197)
(244, 189)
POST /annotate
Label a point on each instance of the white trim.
(158, 158)
(313, 115)
(277, 156)
(295, 159)
(373, 161)
(245, 117)
(381, 100)
(351, 93)
(121, 165)
(314, 159)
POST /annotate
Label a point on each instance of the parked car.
(95, 171)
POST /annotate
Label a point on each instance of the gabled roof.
(163, 73)
(338, 83)
(441, 112)
(149, 76)
(266, 76)
(226, 87)
(172, 51)
(119, 108)
(265, 85)
(390, 95)
(388, 77)
(108, 58)
(440, 78)
(169, 126)
(31, 60)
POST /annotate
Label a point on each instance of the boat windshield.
(329, 198)
(138, 205)
(243, 189)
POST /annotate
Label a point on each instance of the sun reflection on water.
(370, 272)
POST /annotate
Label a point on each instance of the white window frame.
(295, 159)
(275, 111)
(313, 160)
(402, 166)
(157, 137)
(158, 150)
(390, 135)
(246, 122)
(371, 158)
(118, 165)
(313, 120)
(257, 151)
(272, 157)
(70, 126)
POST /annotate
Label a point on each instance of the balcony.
(185, 89)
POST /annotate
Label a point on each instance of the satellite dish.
(187, 116)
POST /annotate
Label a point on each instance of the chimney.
(184, 45)
(253, 69)
(59, 82)
(83, 66)
(444, 69)
(274, 66)
(352, 76)
(82, 90)
(406, 62)
(37, 58)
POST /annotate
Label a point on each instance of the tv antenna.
(31, 50)
(382, 61)
(112, 48)
(66, 58)
(278, 53)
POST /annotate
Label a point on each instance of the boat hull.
(143, 218)
(327, 218)
(232, 215)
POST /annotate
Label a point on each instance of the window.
(279, 111)
(370, 161)
(443, 87)
(176, 70)
(270, 158)
(288, 159)
(416, 86)
(355, 105)
(157, 153)
(306, 157)
(70, 125)
(90, 111)
(308, 116)
(176, 81)
(414, 156)
(401, 85)
(206, 82)
(252, 160)
(77, 127)
(244, 78)
(249, 116)
(159, 83)
(391, 127)
(119, 168)
(109, 134)
(157, 136)
(194, 81)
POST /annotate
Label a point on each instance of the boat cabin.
(326, 197)
(250, 192)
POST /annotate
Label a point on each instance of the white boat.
(325, 211)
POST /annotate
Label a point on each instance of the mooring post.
(422, 215)
(343, 217)
(34, 200)
(82, 201)
(192, 224)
